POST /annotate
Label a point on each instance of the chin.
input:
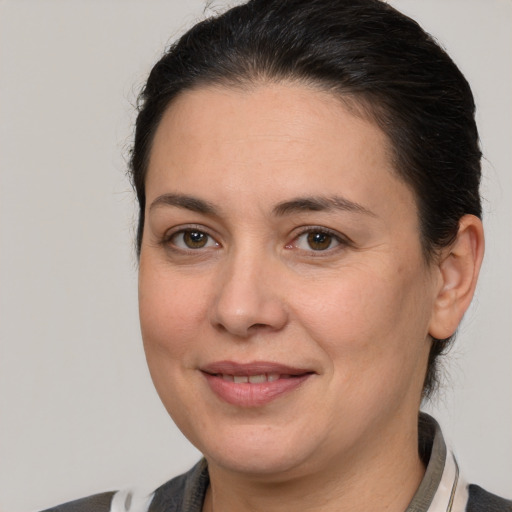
(257, 463)
(259, 451)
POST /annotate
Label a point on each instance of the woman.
(309, 240)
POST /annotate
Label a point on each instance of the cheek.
(374, 345)
(369, 323)
(172, 313)
(172, 316)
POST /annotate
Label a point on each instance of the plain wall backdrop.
(78, 413)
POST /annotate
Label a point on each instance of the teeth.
(256, 379)
(253, 379)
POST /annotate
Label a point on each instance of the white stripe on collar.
(452, 493)
(130, 501)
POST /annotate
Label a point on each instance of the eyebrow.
(298, 204)
(318, 204)
(184, 201)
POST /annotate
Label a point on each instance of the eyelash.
(169, 240)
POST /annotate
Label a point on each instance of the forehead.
(268, 141)
(282, 110)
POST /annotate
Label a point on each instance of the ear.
(459, 266)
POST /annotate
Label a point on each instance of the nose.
(249, 297)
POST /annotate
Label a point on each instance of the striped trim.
(452, 493)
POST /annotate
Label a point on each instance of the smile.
(253, 384)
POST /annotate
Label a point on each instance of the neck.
(382, 478)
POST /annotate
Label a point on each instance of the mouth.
(253, 384)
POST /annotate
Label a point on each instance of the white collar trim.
(131, 501)
(452, 493)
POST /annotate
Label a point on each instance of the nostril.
(258, 326)
(220, 327)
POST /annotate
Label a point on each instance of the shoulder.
(482, 501)
(184, 493)
(125, 501)
(97, 503)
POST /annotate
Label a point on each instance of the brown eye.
(319, 241)
(192, 239)
(195, 239)
(316, 240)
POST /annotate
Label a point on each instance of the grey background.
(78, 413)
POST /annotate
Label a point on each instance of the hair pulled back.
(363, 51)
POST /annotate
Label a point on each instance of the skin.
(358, 313)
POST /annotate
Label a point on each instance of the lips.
(253, 384)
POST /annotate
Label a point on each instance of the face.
(284, 299)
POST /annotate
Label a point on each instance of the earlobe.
(459, 267)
